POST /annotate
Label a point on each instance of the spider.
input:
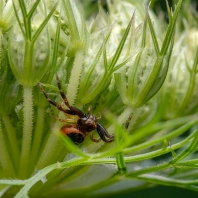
(78, 123)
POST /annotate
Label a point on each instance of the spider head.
(88, 123)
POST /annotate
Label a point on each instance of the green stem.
(191, 148)
(4, 190)
(119, 156)
(42, 173)
(28, 56)
(6, 164)
(37, 136)
(121, 163)
(158, 152)
(11, 133)
(75, 77)
(156, 179)
(27, 131)
(142, 132)
(186, 100)
(122, 118)
(170, 135)
(50, 151)
(151, 169)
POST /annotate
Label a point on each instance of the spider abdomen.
(74, 134)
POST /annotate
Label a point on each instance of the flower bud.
(145, 73)
(179, 92)
(75, 22)
(29, 46)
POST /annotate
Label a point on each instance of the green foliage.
(140, 75)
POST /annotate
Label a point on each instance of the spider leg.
(104, 134)
(61, 92)
(128, 121)
(61, 120)
(73, 109)
(89, 109)
(69, 112)
(59, 107)
(92, 138)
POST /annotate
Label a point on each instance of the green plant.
(117, 63)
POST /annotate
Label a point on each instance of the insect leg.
(62, 93)
(103, 133)
(128, 121)
(59, 107)
(92, 138)
(89, 109)
(61, 120)
(73, 109)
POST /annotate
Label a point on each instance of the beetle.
(78, 122)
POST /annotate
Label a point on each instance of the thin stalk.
(191, 148)
(4, 190)
(122, 118)
(28, 56)
(27, 131)
(42, 173)
(49, 152)
(6, 164)
(192, 82)
(168, 136)
(155, 168)
(166, 181)
(37, 136)
(121, 163)
(75, 77)
(158, 152)
(143, 132)
(12, 139)
(119, 156)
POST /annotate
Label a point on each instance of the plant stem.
(187, 151)
(121, 163)
(166, 181)
(121, 119)
(27, 132)
(6, 164)
(42, 173)
(75, 77)
(4, 190)
(37, 136)
(119, 156)
(49, 152)
(11, 133)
